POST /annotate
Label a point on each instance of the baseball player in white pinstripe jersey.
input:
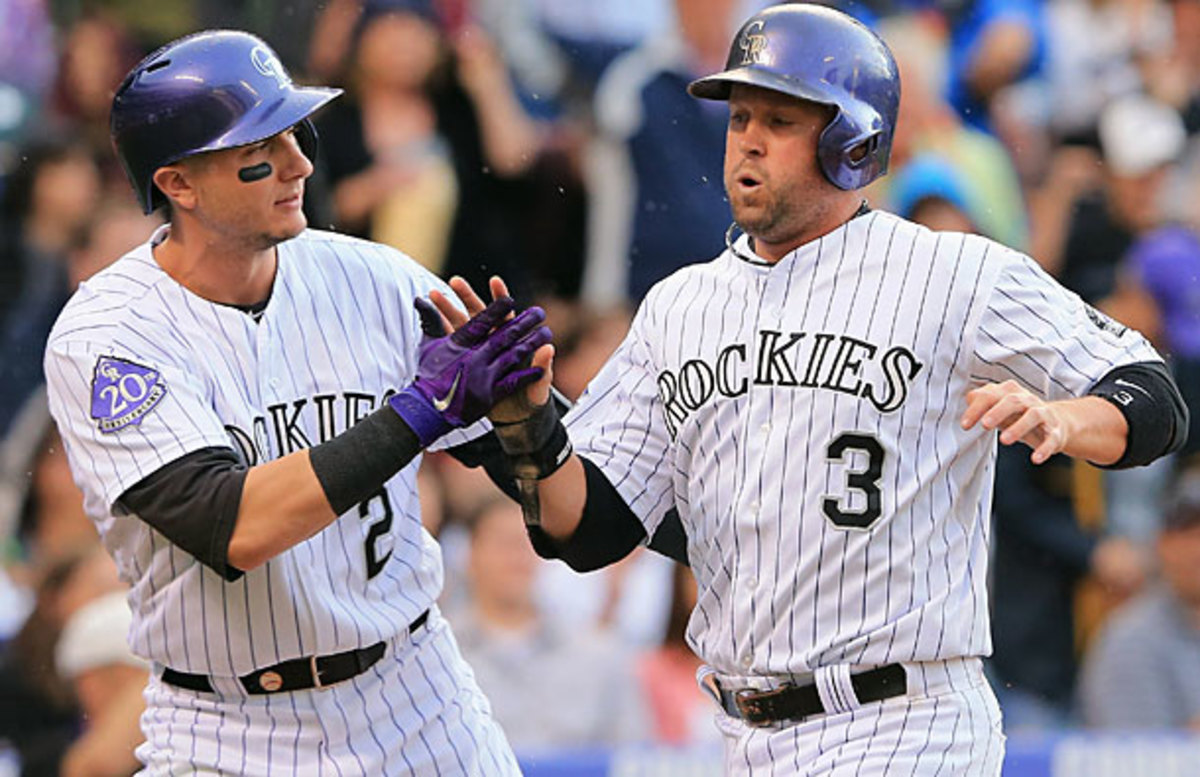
(243, 403)
(820, 406)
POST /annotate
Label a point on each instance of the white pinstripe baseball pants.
(418, 711)
(948, 725)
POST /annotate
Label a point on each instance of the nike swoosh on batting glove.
(462, 375)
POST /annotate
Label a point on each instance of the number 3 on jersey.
(864, 480)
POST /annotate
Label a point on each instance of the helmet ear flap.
(859, 154)
(306, 136)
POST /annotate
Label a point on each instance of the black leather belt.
(795, 702)
(298, 674)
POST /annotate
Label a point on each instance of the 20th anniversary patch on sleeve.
(123, 392)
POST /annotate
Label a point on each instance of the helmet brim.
(265, 121)
(719, 85)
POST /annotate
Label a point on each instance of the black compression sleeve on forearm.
(607, 532)
(1156, 414)
(352, 466)
(193, 502)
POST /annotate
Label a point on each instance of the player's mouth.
(748, 181)
(291, 202)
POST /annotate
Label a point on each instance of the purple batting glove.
(462, 375)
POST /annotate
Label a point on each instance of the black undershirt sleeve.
(193, 502)
(607, 532)
(612, 531)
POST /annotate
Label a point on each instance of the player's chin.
(752, 221)
(292, 225)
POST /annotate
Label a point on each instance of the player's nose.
(750, 139)
(297, 164)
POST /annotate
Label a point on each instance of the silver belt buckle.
(316, 673)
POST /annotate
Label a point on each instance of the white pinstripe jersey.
(804, 419)
(141, 371)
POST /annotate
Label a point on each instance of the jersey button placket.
(269, 383)
(756, 436)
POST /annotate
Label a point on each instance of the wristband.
(1147, 397)
(537, 445)
(426, 422)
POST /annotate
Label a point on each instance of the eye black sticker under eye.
(255, 172)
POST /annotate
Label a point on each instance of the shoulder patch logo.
(1105, 323)
(123, 392)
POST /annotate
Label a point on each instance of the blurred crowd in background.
(552, 142)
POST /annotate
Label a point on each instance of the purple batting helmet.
(822, 55)
(209, 91)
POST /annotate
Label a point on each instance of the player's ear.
(177, 183)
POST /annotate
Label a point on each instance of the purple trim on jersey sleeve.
(123, 392)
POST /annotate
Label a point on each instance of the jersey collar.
(742, 246)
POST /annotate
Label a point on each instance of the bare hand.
(1020, 415)
(537, 393)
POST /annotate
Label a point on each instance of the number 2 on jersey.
(866, 481)
(377, 552)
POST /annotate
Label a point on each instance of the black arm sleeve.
(193, 502)
(608, 530)
(354, 464)
(603, 505)
(1157, 416)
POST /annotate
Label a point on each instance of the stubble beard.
(772, 220)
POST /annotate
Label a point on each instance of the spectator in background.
(1174, 75)
(994, 44)
(38, 714)
(541, 71)
(584, 341)
(1139, 139)
(431, 150)
(1174, 78)
(1140, 673)
(108, 681)
(592, 35)
(1040, 553)
(26, 71)
(114, 228)
(390, 170)
(97, 52)
(928, 125)
(657, 199)
(549, 687)
(682, 714)
(1095, 53)
(46, 207)
(1165, 266)
(929, 191)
